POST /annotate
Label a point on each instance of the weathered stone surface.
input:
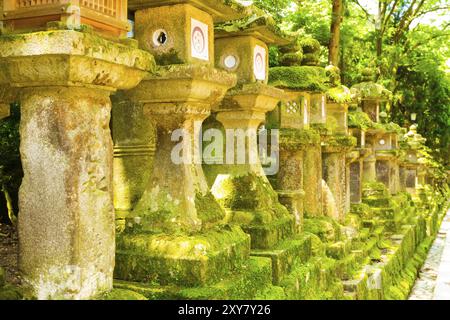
(134, 137)
(67, 58)
(312, 181)
(66, 222)
(176, 34)
(178, 191)
(243, 187)
(220, 10)
(243, 49)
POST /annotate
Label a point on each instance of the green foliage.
(10, 165)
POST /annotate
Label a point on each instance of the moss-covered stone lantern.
(337, 144)
(242, 186)
(106, 17)
(305, 85)
(174, 232)
(371, 95)
(386, 153)
(358, 124)
(410, 164)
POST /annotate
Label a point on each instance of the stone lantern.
(337, 144)
(242, 186)
(62, 80)
(410, 164)
(174, 231)
(371, 95)
(359, 123)
(106, 17)
(304, 83)
(386, 153)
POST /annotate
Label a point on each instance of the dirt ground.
(8, 253)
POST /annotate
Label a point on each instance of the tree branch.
(386, 20)
(369, 16)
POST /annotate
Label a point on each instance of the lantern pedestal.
(243, 188)
(175, 234)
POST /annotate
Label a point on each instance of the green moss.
(181, 259)
(310, 45)
(371, 90)
(342, 141)
(339, 94)
(293, 139)
(306, 78)
(326, 228)
(208, 209)
(122, 294)
(259, 21)
(2, 277)
(168, 58)
(310, 59)
(393, 127)
(291, 59)
(361, 120)
(10, 292)
(361, 209)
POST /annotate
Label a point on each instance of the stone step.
(266, 236)
(252, 280)
(286, 255)
(180, 259)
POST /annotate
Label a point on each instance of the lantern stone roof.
(220, 10)
(258, 25)
(370, 90)
(302, 78)
(361, 120)
(339, 94)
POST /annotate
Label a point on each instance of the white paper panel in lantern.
(199, 40)
(259, 63)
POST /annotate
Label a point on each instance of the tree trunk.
(336, 20)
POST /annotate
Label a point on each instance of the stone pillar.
(402, 178)
(334, 174)
(66, 216)
(66, 220)
(134, 148)
(356, 181)
(312, 181)
(289, 180)
(369, 169)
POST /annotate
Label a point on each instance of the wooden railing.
(112, 8)
(106, 15)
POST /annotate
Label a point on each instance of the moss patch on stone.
(208, 209)
(307, 78)
(339, 94)
(293, 139)
(371, 90)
